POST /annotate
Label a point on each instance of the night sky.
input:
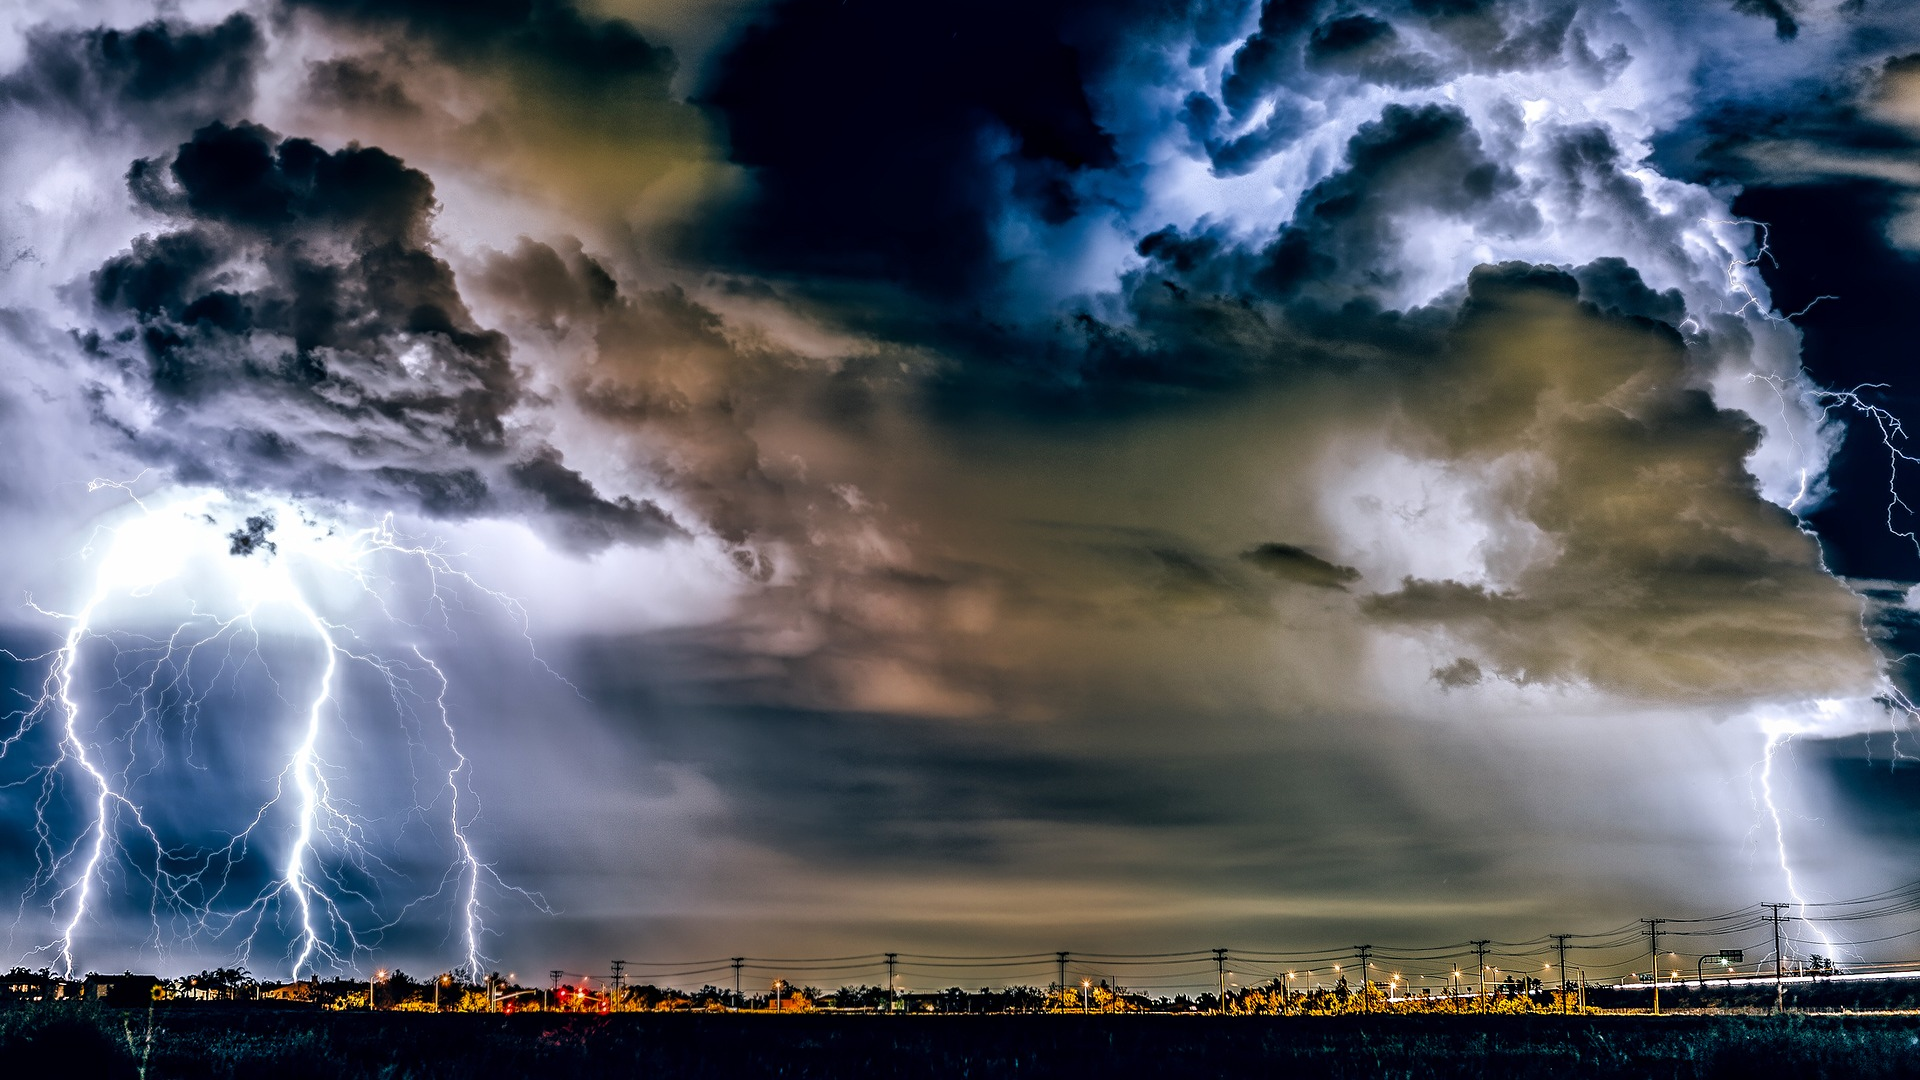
(513, 483)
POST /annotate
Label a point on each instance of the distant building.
(126, 990)
(298, 991)
(23, 985)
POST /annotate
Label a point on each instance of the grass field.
(221, 1043)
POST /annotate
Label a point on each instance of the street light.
(1086, 997)
(376, 976)
(777, 983)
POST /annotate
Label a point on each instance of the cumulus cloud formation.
(1669, 576)
(295, 334)
(159, 74)
(1290, 563)
(300, 287)
(504, 93)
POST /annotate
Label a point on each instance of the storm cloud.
(160, 74)
(299, 294)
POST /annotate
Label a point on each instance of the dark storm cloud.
(1618, 289)
(1785, 26)
(1273, 51)
(1298, 46)
(1296, 36)
(1461, 673)
(1592, 176)
(663, 364)
(1426, 158)
(1132, 575)
(356, 85)
(254, 535)
(1856, 118)
(548, 290)
(297, 335)
(1666, 576)
(1346, 231)
(1671, 577)
(988, 115)
(885, 139)
(585, 519)
(1370, 49)
(583, 52)
(1209, 312)
(1496, 35)
(1290, 563)
(545, 96)
(162, 74)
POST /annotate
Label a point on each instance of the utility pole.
(1220, 965)
(1366, 955)
(1061, 957)
(737, 1003)
(1560, 942)
(1653, 937)
(1480, 951)
(892, 957)
(619, 983)
(553, 993)
(1779, 989)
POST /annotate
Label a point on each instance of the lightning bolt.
(1779, 732)
(113, 699)
(1738, 276)
(1777, 736)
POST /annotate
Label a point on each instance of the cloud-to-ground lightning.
(194, 595)
(1779, 731)
(1778, 735)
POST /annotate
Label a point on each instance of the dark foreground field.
(80, 1041)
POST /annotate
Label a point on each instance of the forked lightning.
(261, 591)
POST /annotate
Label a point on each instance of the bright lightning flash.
(1824, 717)
(1778, 733)
(192, 597)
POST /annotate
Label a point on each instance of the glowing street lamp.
(1086, 997)
(378, 976)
